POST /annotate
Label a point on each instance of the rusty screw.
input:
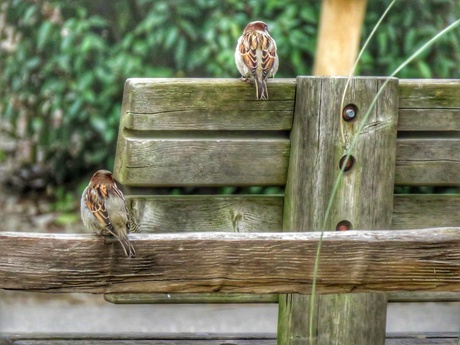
(348, 165)
(343, 225)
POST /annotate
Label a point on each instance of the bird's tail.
(128, 248)
(261, 88)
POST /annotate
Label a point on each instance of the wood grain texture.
(428, 162)
(351, 262)
(207, 298)
(429, 93)
(256, 213)
(417, 296)
(415, 211)
(221, 161)
(319, 138)
(189, 298)
(138, 339)
(206, 104)
(263, 161)
(233, 213)
(188, 108)
(429, 119)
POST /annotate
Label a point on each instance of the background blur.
(63, 65)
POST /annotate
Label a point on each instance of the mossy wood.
(427, 260)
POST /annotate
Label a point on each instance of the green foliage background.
(62, 77)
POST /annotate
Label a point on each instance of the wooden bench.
(210, 135)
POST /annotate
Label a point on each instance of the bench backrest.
(212, 135)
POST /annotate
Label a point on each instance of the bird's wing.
(268, 55)
(95, 201)
(248, 49)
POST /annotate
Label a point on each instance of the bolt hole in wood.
(349, 112)
(347, 162)
(343, 225)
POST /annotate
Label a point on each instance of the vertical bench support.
(319, 139)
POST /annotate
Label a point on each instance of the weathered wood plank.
(206, 104)
(428, 161)
(319, 140)
(429, 120)
(429, 93)
(187, 298)
(139, 339)
(417, 296)
(440, 338)
(197, 339)
(263, 161)
(152, 107)
(222, 161)
(255, 213)
(427, 260)
(235, 213)
(415, 211)
(228, 104)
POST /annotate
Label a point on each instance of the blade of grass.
(352, 71)
(347, 157)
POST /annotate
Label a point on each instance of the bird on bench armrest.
(103, 210)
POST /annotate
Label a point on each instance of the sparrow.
(103, 210)
(255, 55)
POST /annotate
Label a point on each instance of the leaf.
(425, 70)
(43, 34)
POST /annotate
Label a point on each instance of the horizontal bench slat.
(207, 339)
(415, 211)
(429, 93)
(139, 339)
(440, 338)
(428, 162)
(205, 162)
(429, 120)
(188, 298)
(206, 104)
(233, 213)
(353, 261)
(228, 104)
(161, 298)
(255, 213)
(263, 161)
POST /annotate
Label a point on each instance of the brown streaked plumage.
(255, 56)
(103, 210)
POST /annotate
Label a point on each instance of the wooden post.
(339, 36)
(319, 139)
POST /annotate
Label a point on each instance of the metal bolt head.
(349, 112)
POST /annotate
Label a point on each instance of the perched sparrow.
(255, 55)
(103, 210)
